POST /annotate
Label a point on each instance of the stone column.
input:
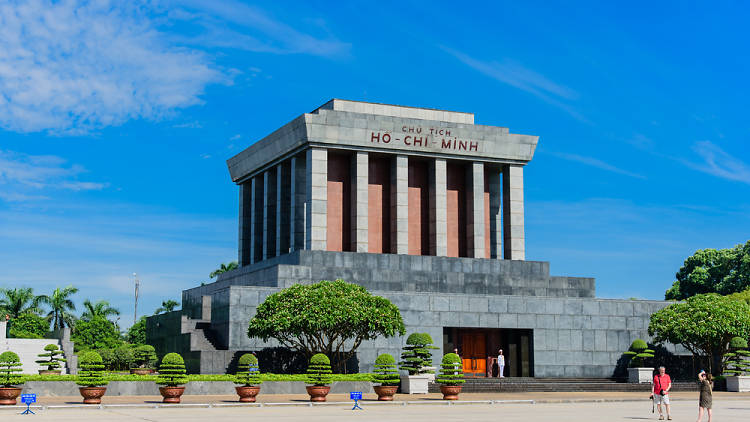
(513, 232)
(279, 207)
(400, 204)
(438, 208)
(316, 198)
(493, 179)
(476, 246)
(241, 259)
(252, 220)
(257, 213)
(299, 206)
(359, 174)
(266, 185)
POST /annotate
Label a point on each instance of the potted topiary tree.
(145, 357)
(91, 377)
(451, 376)
(415, 359)
(386, 375)
(172, 377)
(248, 378)
(51, 360)
(10, 365)
(319, 375)
(738, 366)
(637, 370)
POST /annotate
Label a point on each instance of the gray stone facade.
(574, 334)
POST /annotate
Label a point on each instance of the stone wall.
(573, 337)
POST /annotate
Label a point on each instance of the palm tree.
(100, 309)
(60, 305)
(224, 268)
(167, 306)
(18, 301)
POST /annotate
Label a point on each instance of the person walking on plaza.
(500, 364)
(662, 383)
(705, 401)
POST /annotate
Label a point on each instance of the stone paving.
(727, 408)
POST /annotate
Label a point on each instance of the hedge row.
(198, 377)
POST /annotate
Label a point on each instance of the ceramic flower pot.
(247, 393)
(171, 394)
(450, 392)
(8, 395)
(385, 392)
(318, 393)
(92, 395)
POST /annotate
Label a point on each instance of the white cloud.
(236, 25)
(516, 75)
(69, 67)
(21, 172)
(595, 162)
(719, 163)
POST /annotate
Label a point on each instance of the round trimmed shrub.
(638, 353)
(319, 370)
(10, 365)
(385, 370)
(145, 356)
(451, 370)
(416, 354)
(172, 371)
(51, 358)
(738, 343)
(92, 370)
(248, 373)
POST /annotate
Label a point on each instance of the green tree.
(417, 355)
(330, 317)
(137, 332)
(100, 309)
(167, 306)
(29, 325)
(704, 324)
(61, 307)
(18, 301)
(722, 271)
(743, 296)
(224, 268)
(96, 333)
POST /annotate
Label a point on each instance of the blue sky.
(116, 121)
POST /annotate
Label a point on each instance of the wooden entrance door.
(474, 355)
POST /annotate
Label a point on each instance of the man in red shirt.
(662, 383)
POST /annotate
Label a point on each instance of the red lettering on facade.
(473, 146)
(462, 145)
(406, 139)
(447, 132)
(417, 140)
(386, 138)
(446, 144)
(375, 137)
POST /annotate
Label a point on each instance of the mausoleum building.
(421, 206)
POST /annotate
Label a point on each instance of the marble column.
(359, 174)
(438, 208)
(400, 204)
(495, 231)
(513, 220)
(475, 230)
(316, 198)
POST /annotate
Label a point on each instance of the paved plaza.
(582, 407)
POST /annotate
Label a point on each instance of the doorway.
(478, 349)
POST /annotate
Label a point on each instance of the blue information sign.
(27, 399)
(356, 396)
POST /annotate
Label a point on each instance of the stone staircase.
(514, 385)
